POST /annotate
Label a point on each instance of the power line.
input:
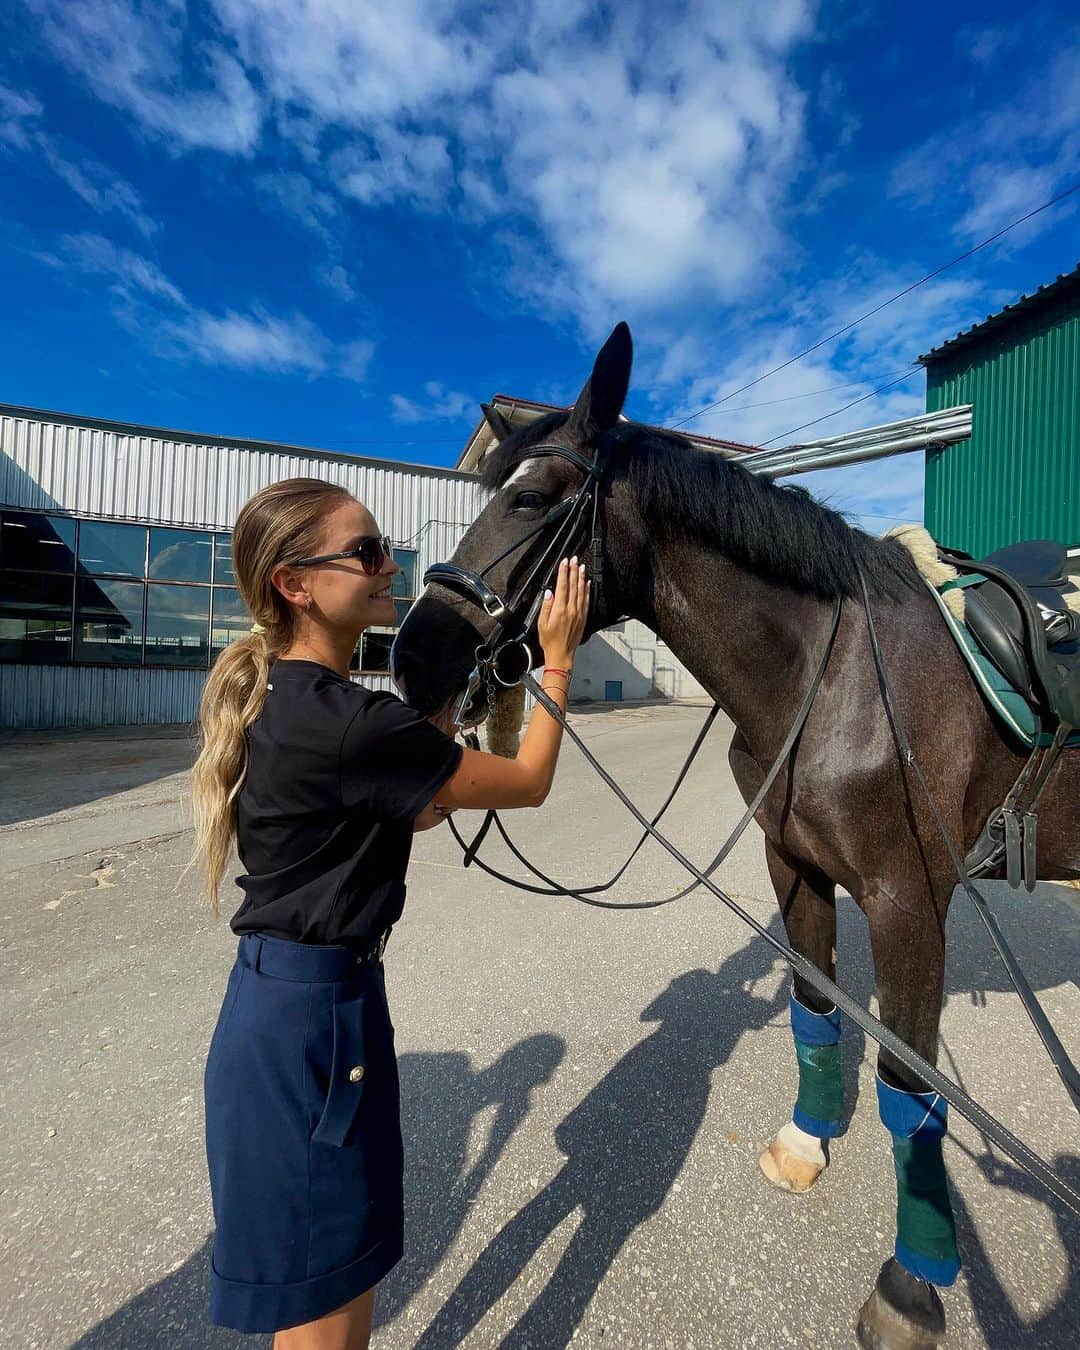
(810, 393)
(1060, 197)
(837, 411)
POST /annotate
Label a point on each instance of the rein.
(509, 616)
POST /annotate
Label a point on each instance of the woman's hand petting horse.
(490, 782)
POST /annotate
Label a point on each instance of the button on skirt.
(303, 1135)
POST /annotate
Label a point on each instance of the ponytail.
(280, 522)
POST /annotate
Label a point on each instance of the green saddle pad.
(1011, 707)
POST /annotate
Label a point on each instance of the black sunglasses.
(372, 553)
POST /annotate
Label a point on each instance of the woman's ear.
(286, 581)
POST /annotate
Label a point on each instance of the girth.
(1014, 606)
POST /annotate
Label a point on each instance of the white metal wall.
(54, 463)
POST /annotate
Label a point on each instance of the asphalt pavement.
(585, 1094)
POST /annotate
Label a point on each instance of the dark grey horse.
(739, 576)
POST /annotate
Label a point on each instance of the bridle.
(513, 619)
(504, 657)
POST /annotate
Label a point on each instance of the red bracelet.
(556, 670)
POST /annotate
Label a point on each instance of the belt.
(305, 961)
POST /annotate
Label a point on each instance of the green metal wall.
(1018, 477)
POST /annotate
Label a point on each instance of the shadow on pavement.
(441, 1094)
(625, 1144)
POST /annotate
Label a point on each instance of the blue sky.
(343, 223)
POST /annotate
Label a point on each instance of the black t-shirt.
(336, 776)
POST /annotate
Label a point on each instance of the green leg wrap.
(821, 1084)
(925, 1232)
(821, 1090)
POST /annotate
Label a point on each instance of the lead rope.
(584, 893)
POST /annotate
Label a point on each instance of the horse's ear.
(600, 402)
(496, 421)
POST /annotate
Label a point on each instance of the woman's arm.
(429, 817)
(491, 782)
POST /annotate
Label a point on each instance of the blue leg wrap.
(925, 1231)
(821, 1086)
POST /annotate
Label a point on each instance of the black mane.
(776, 531)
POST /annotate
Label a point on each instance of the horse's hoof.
(902, 1313)
(786, 1170)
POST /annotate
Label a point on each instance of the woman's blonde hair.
(279, 523)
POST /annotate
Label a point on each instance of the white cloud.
(438, 404)
(617, 181)
(149, 303)
(355, 358)
(337, 279)
(254, 341)
(131, 273)
(1002, 163)
(101, 189)
(18, 114)
(144, 61)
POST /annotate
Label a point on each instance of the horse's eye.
(529, 501)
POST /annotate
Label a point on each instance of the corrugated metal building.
(116, 584)
(1018, 477)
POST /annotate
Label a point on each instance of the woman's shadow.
(441, 1095)
(625, 1144)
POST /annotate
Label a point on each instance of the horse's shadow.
(1041, 930)
(972, 967)
(625, 1144)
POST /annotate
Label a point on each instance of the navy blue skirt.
(303, 1135)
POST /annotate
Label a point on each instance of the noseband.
(504, 658)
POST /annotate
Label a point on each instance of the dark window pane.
(223, 568)
(112, 548)
(35, 617)
(375, 652)
(405, 580)
(179, 555)
(178, 626)
(231, 618)
(402, 608)
(108, 622)
(38, 543)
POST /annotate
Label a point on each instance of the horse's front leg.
(904, 1311)
(795, 1158)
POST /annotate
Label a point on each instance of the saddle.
(1016, 611)
(1015, 608)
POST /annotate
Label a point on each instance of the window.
(37, 543)
(223, 566)
(178, 626)
(179, 555)
(109, 622)
(113, 550)
(35, 617)
(230, 619)
(77, 590)
(372, 655)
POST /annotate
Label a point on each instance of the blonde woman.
(321, 784)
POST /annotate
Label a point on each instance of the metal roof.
(521, 411)
(215, 438)
(1067, 284)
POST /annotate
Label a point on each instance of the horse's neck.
(753, 645)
